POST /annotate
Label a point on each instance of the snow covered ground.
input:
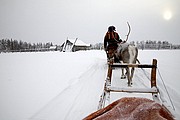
(66, 86)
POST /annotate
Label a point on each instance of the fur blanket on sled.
(131, 108)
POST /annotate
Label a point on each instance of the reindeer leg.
(123, 76)
(128, 77)
(132, 74)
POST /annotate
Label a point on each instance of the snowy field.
(67, 86)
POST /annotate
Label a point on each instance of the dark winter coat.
(110, 40)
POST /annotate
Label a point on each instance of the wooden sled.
(105, 97)
(131, 107)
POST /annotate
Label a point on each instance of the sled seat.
(124, 65)
(132, 90)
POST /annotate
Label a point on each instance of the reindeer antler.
(128, 32)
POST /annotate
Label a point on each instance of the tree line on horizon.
(148, 44)
(10, 45)
(19, 45)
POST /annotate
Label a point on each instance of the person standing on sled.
(111, 41)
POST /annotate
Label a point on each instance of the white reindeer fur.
(132, 53)
(127, 54)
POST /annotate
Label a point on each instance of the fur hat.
(111, 28)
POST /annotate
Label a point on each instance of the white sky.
(55, 20)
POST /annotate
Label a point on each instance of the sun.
(167, 15)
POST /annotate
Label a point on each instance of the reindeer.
(125, 53)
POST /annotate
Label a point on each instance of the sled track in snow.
(74, 98)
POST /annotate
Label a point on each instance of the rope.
(144, 71)
(145, 74)
(166, 89)
(162, 82)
